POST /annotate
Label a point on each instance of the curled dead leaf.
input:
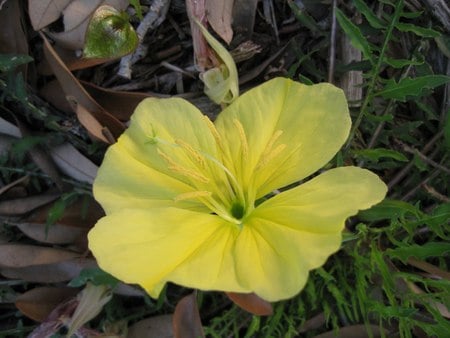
(38, 303)
(186, 318)
(251, 303)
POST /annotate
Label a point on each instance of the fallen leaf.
(50, 273)
(74, 164)
(19, 181)
(89, 122)
(153, 327)
(22, 255)
(43, 12)
(120, 104)
(251, 303)
(219, 17)
(39, 302)
(53, 94)
(72, 87)
(8, 128)
(53, 234)
(244, 13)
(186, 318)
(443, 310)
(21, 206)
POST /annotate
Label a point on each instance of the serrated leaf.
(400, 63)
(412, 86)
(430, 249)
(376, 154)
(373, 20)
(9, 62)
(387, 209)
(110, 34)
(420, 31)
(354, 33)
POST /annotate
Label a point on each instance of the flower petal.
(297, 230)
(291, 131)
(125, 182)
(136, 174)
(150, 247)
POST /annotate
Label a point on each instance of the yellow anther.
(192, 195)
(214, 131)
(272, 141)
(183, 171)
(191, 151)
(266, 158)
(243, 138)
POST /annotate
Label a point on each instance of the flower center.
(237, 210)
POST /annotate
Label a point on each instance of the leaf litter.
(391, 84)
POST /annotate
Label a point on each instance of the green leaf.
(109, 35)
(304, 18)
(420, 31)
(387, 209)
(373, 20)
(9, 62)
(412, 87)
(430, 249)
(400, 63)
(354, 33)
(376, 154)
(94, 275)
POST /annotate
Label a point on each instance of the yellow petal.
(274, 261)
(143, 168)
(150, 247)
(297, 230)
(291, 131)
(322, 204)
(125, 182)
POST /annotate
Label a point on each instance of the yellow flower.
(183, 195)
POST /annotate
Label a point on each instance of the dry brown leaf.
(22, 255)
(50, 273)
(438, 306)
(73, 215)
(153, 327)
(219, 17)
(89, 122)
(53, 94)
(72, 87)
(53, 234)
(353, 331)
(186, 318)
(251, 303)
(21, 206)
(74, 164)
(430, 268)
(120, 104)
(43, 12)
(38, 303)
(244, 13)
(13, 39)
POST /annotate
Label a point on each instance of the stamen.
(192, 195)
(272, 140)
(194, 153)
(183, 171)
(214, 131)
(270, 156)
(244, 143)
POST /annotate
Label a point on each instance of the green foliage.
(94, 275)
